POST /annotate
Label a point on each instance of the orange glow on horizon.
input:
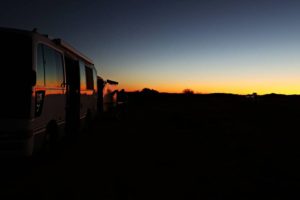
(242, 88)
(262, 82)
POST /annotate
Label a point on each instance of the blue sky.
(209, 46)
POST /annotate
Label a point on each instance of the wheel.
(88, 121)
(52, 137)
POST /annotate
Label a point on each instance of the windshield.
(16, 72)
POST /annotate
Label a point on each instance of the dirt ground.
(173, 147)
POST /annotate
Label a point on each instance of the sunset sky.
(231, 46)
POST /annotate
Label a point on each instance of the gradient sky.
(169, 45)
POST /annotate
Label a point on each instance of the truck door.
(73, 96)
(50, 90)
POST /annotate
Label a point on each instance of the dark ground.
(173, 147)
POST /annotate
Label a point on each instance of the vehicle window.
(16, 64)
(53, 67)
(89, 78)
(82, 76)
(59, 68)
(95, 79)
(40, 71)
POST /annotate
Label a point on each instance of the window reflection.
(40, 71)
(89, 78)
(49, 67)
(82, 76)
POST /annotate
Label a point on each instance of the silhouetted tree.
(188, 91)
(149, 91)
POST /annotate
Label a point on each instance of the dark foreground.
(173, 147)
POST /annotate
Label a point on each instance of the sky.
(209, 46)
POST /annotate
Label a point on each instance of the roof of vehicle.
(112, 82)
(57, 41)
(68, 47)
(14, 30)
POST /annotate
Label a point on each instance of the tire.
(88, 121)
(51, 137)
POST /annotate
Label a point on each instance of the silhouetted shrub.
(148, 91)
(188, 91)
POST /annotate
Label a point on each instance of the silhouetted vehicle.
(51, 92)
(110, 92)
(100, 84)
